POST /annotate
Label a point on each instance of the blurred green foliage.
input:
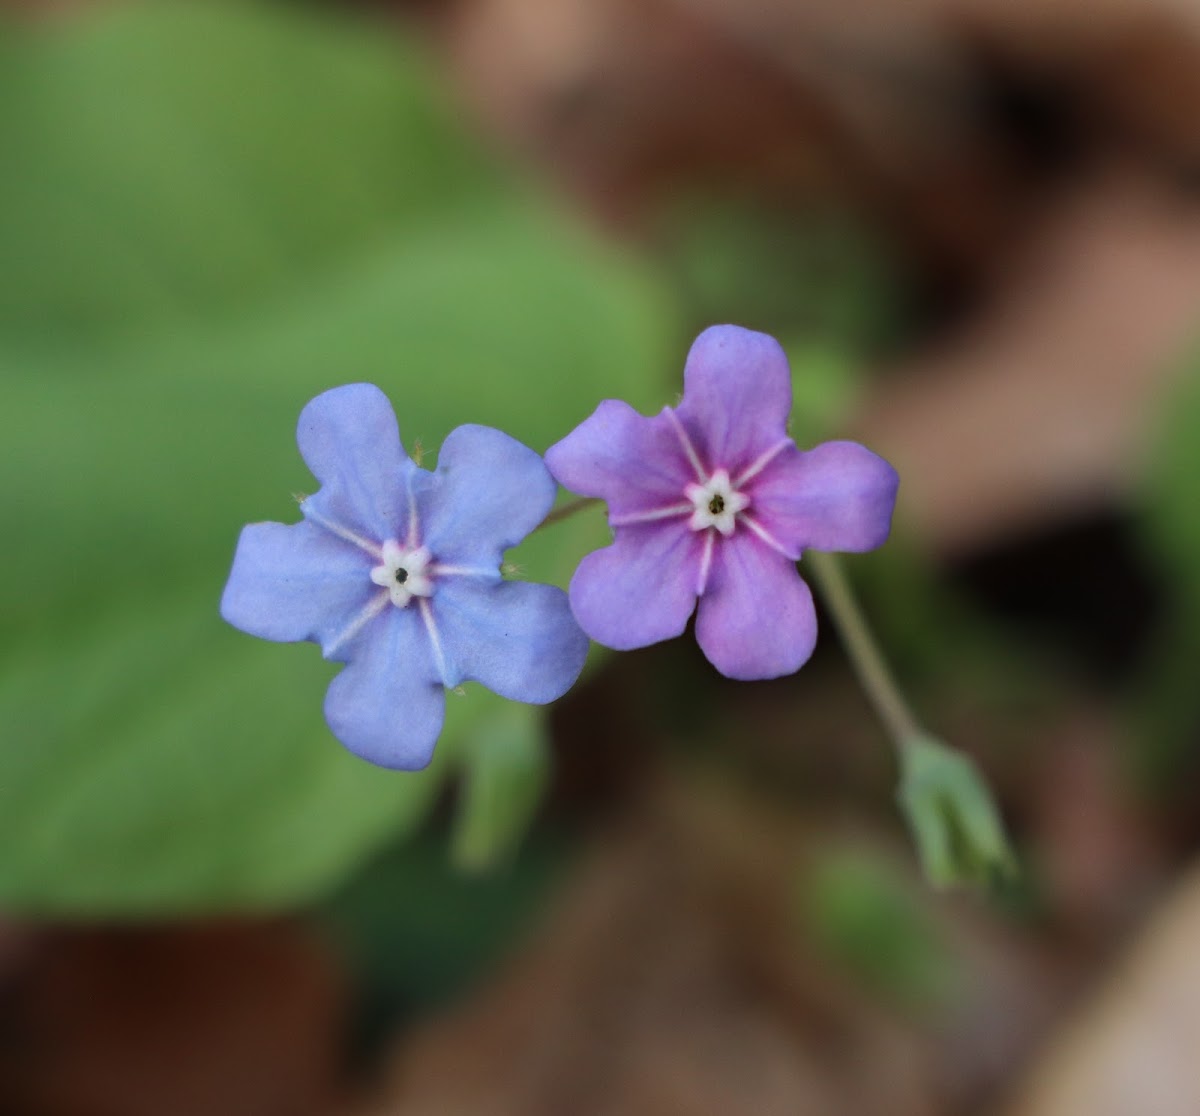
(1165, 712)
(814, 274)
(508, 770)
(855, 907)
(207, 215)
(419, 933)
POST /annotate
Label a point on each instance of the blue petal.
(517, 638)
(294, 582)
(388, 704)
(349, 439)
(488, 493)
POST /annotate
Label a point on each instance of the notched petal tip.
(737, 395)
(758, 621)
(292, 582)
(394, 750)
(519, 639)
(838, 496)
(350, 440)
(387, 705)
(640, 590)
(490, 491)
(631, 461)
(575, 460)
(342, 414)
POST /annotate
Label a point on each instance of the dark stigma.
(717, 504)
(401, 575)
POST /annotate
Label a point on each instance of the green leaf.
(163, 163)
(507, 762)
(208, 215)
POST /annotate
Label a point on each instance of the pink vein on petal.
(761, 462)
(767, 537)
(706, 562)
(439, 570)
(342, 532)
(414, 528)
(686, 443)
(373, 609)
(649, 516)
(436, 640)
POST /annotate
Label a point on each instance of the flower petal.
(757, 619)
(295, 581)
(632, 462)
(837, 496)
(388, 704)
(737, 396)
(488, 493)
(518, 639)
(348, 437)
(640, 590)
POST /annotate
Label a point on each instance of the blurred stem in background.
(954, 821)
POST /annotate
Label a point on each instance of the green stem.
(863, 650)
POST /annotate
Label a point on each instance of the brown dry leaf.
(225, 1020)
(673, 979)
(1101, 855)
(926, 114)
(623, 99)
(1133, 1052)
(944, 119)
(1043, 407)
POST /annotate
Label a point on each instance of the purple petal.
(737, 396)
(294, 582)
(640, 590)
(388, 704)
(757, 618)
(837, 496)
(489, 492)
(632, 462)
(349, 439)
(518, 639)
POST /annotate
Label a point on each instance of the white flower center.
(715, 503)
(404, 573)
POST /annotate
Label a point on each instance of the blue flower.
(395, 571)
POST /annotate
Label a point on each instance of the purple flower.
(712, 500)
(395, 571)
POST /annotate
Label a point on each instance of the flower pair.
(396, 571)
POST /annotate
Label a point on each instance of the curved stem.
(567, 510)
(863, 650)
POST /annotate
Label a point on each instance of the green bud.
(959, 835)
